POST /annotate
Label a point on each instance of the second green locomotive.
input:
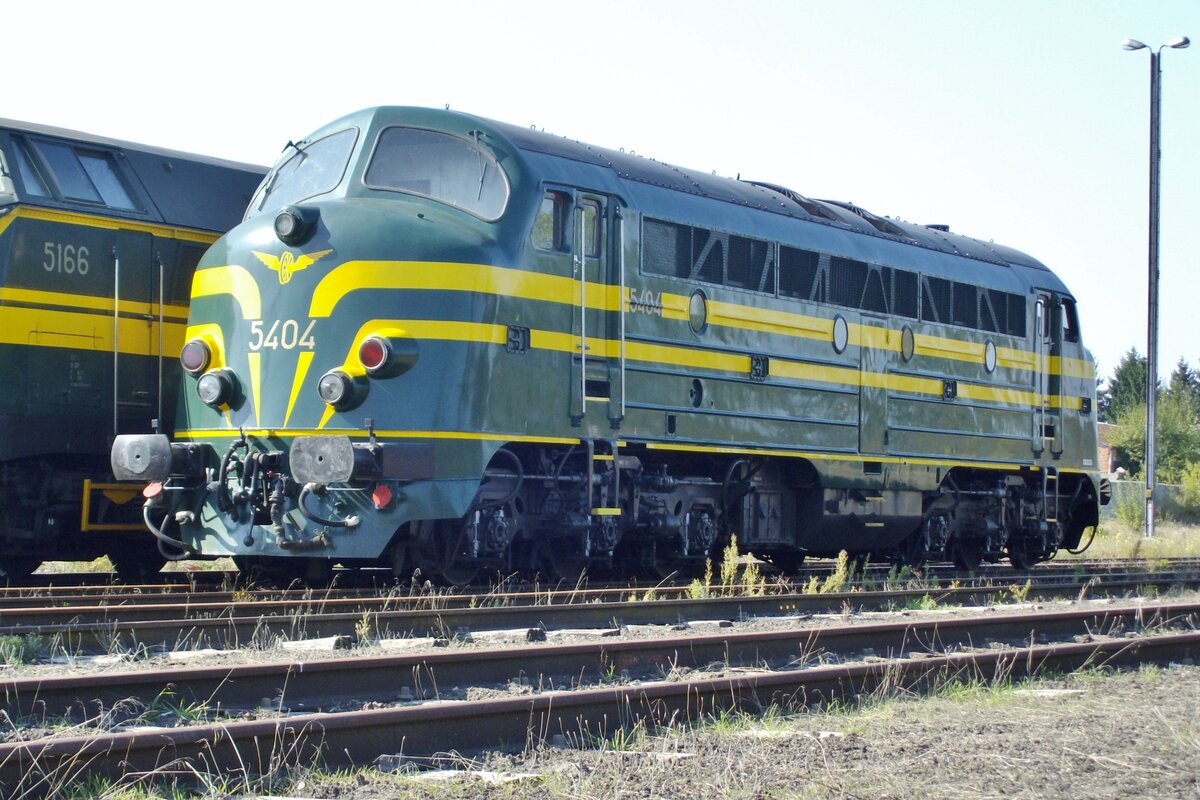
(98, 239)
(449, 344)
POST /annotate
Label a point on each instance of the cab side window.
(548, 225)
(1070, 321)
(591, 228)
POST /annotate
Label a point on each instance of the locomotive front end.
(325, 333)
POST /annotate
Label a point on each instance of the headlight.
(340, 390)
(294, 224)
(217, 387)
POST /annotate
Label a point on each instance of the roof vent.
(939, 227)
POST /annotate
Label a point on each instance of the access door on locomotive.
(584, 232)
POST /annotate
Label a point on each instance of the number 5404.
(283, 334)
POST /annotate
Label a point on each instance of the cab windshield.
(307, 169)
(459, 172)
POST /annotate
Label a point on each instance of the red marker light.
(381, 497)
(373, 353)
(153, 491)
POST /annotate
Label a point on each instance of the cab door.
(1047, 411)
(597, 363)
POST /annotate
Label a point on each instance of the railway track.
(53, 584)
(102, 629)
(753, 670)
(221, 592)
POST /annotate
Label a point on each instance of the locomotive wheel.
(136, 562)
(908, 553)
(966, 555)
(459, 576)
(564, 566)
(1022, 556)
(15, 568)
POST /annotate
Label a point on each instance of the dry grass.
(1058, 738)
(1116, 540)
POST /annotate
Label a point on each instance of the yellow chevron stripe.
(231, 280)
(357, 275)
(254, 362)
(302, 365)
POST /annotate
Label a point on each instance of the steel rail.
(355, 737)
(386, 678)
(89, 605)
(175, 582)
(128, 608)
(240, 629)
(93, 607)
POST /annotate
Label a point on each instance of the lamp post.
(1178, 43)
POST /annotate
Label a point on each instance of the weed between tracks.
(647, 740)
(965, 736)
(1120, 540)
(738, 577)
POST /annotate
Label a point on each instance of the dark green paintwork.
(479, 388)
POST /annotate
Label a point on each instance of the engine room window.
(750, 265)
(666, 248)
(100, 168)
(305, 170)
(74, 182)
(30, 178)
(800, 275)
(458, 172)
(87, 175)
(548, 226)
(708, 250)
(904, 293)
(848, 281)
(966, 305)
(935, 299)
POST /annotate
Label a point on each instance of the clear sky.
(1021, 121)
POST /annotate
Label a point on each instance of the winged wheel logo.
(288, 263)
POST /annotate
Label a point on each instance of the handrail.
(116, 340)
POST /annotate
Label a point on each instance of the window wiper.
(482, 163)
(273, 177)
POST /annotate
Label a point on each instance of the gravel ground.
(1095, 735)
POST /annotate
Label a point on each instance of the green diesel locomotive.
(444, 343)
(98, 239)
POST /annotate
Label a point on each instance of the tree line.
(1122, 402)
